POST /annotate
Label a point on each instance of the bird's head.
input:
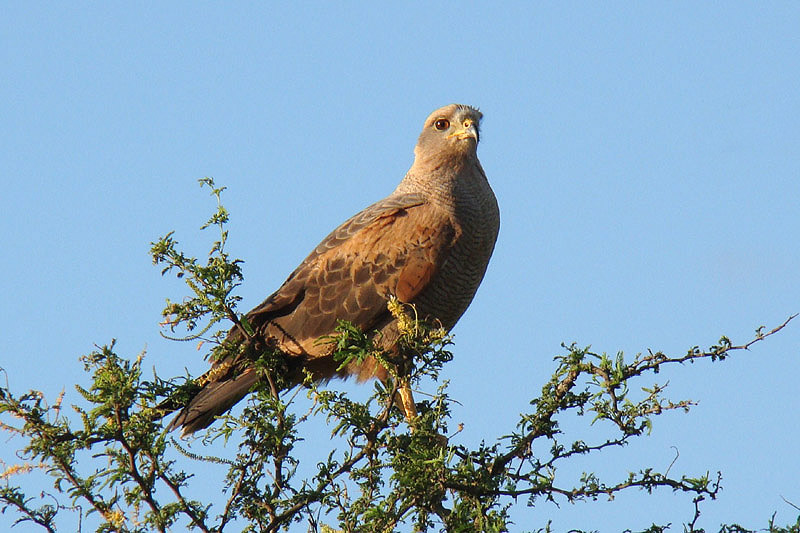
(450, 131)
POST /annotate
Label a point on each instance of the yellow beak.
(467, 131)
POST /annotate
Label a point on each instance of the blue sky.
(645, 157)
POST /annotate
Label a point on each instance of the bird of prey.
(428, 244)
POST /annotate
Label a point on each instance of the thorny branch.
(382, 471)
(543, 423)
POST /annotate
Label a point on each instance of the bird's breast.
(476, 220)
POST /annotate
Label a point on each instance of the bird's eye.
(441, 124)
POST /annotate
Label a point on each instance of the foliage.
(111, 456)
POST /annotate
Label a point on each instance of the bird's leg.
(406, 400)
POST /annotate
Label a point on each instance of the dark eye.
(441, 124)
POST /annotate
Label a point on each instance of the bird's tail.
(214, 398)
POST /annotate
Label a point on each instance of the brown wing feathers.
(395, 254)
(390, 248)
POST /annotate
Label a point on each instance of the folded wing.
(394, 247)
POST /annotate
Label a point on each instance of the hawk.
(428, 244)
